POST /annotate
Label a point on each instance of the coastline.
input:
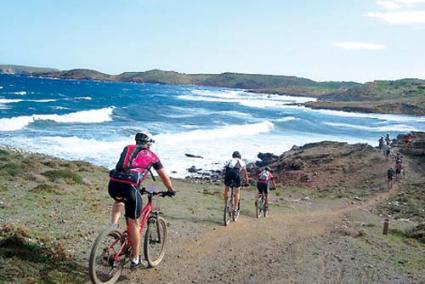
(404, 96)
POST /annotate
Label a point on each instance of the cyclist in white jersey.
(232, 177)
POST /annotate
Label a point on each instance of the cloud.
(356, 45)
(400, 18)
(398, 4)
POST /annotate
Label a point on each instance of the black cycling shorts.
(232, 178)
(263, 188)
(128, 194)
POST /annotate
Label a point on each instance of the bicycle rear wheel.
(265, 208)
(155, 240)
(108, 257)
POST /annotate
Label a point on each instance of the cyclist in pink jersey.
(132, 168)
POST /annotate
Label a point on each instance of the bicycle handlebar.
(160, 193)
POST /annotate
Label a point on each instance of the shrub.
(68, 176)
(44, 188)
(12, 169)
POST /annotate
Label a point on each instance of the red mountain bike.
(111, 249)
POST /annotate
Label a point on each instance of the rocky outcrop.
(323, 165)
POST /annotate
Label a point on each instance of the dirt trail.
(251, 250)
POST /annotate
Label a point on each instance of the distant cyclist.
(387, 139)
(388, 151)
(263, 182)
(133, 166)
(232, 177)
(390, 176)
(381, 143)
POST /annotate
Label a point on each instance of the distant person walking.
(387, 139)
(381, 143)
(388, 151)
(390, 176)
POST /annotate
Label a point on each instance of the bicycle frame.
(143, 219)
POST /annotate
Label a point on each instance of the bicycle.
(111, 249)
(230, 212)
(261, 206)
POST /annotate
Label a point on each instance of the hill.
(25, 70)
(405, 96)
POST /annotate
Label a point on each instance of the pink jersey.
(264, 177)
(140, 164)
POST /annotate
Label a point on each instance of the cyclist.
(232, 177)
(263, 181)
(381, 143)
(390, 175)
(388, 151)
(133, 166)
(387, 139)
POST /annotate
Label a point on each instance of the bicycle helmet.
(268, 169)
(144, 138)
(236, 154)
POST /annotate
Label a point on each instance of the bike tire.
(107, 241)
(226, 217)
(155, 241)
(257, 208)
(265, 209)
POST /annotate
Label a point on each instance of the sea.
(94, 120)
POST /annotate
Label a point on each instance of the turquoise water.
(92, 121)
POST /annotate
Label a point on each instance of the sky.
(324, 40)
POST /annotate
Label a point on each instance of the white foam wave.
(19, 93)
(1, 87)
(87, 116)
(284, 119)
(9, 101)
(244, 98)
(228, 131)
(42, 100)
(83, 98)
(386, 128)
(385, 117)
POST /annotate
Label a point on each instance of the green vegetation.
(66, 175)
(13, 169)
(401, 96)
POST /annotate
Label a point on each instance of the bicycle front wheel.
(107, 257)
(227, 213)
(155, 240)
(258, 208)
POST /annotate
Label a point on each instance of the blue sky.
(358, 40)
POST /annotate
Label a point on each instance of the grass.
(13, 169)
(44, 188)
(68, 176)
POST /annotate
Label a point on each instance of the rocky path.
(278, 249)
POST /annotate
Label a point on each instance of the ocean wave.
(253, 100)
(284, 119)
(86, 116)
(83, 98)
(385, 128)
(385, 117)
(18, 93)
(9, 101)
(228, 131)
(42, 101)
